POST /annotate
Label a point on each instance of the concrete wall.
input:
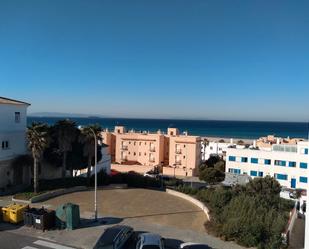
(137, 168)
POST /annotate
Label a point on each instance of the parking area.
(145, 205)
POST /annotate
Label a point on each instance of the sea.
(204, 128)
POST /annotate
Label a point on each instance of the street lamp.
(95, 173)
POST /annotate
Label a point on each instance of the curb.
(190, 199)
(51, 194)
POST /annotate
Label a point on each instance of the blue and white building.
(286, 163)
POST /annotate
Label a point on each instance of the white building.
(286, 163)
(215, 148)
(104, 164)
(13, 122)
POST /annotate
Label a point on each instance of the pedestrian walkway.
(38, 244)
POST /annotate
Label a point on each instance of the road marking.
(51, 245)
(29, 247)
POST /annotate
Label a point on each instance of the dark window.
(17, 117)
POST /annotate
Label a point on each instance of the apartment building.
(215, 148)
(288, 163)
(13, 121)
(177, 153)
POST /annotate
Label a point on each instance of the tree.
(66, 134)
(38, 140)
(211, 175)
(220, 165)
(87, 138)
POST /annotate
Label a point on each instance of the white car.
(150, 241)
(190, 245)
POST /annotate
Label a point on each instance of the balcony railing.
(152, 160)
(178, 151)
(152, 149)
(178, 162)
(124, 147)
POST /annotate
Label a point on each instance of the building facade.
(13, 122)
(177, 153)
(286, 163)
(215, 148)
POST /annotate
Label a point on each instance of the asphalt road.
(15, 241)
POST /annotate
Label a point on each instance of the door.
(293, 183)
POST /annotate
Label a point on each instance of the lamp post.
(95, 175)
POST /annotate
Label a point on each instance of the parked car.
(190, 245)
(114, 237)
(151, 174)
(150, 241)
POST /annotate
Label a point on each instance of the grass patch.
(27, 195)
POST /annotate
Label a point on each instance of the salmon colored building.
(178, 154)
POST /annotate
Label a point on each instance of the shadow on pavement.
(9, 226)
(85, 223)
(160, 214)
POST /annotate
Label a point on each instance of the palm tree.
(38, 140)
(87, 139)
(66, 133)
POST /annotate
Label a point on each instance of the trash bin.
(14, 213)
(44, 219)
(28, 217)
(6, 213)
(67, 216)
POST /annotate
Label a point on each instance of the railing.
(178, 151)
(178, 162)
(152, 149)
(152, 160)
(124, 147)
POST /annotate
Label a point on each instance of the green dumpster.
(67, 216)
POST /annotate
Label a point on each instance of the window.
(254, 160)
(306, 151)
(5, 145)
(280, 163)
(234, 171)
(267, 161)
(253, 173)
(244, 159)
(17, 117)
(129, 142)
(134, 143)
(139, 153)
(303, 165)
(292, 164)
(184, 146)
(211, 147)
(260, 174)
(281, 177)
(140, 143)
(184, 157)
(303, 179)
(134, 154)
(232, 158)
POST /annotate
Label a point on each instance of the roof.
(4, 100)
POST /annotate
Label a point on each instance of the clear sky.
(240, 60)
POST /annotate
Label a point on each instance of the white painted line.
(29, 247)
(51, 245)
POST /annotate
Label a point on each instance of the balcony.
(152, 160)
(152, 149)
(178, 151)
(178, 162)
(124, 147)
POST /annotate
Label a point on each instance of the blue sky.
(239, 60)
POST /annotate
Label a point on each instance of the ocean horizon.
(205, 128)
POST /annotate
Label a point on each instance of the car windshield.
(150, 247)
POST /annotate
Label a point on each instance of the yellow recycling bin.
(14, 213)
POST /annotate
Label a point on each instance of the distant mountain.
(65, 115)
